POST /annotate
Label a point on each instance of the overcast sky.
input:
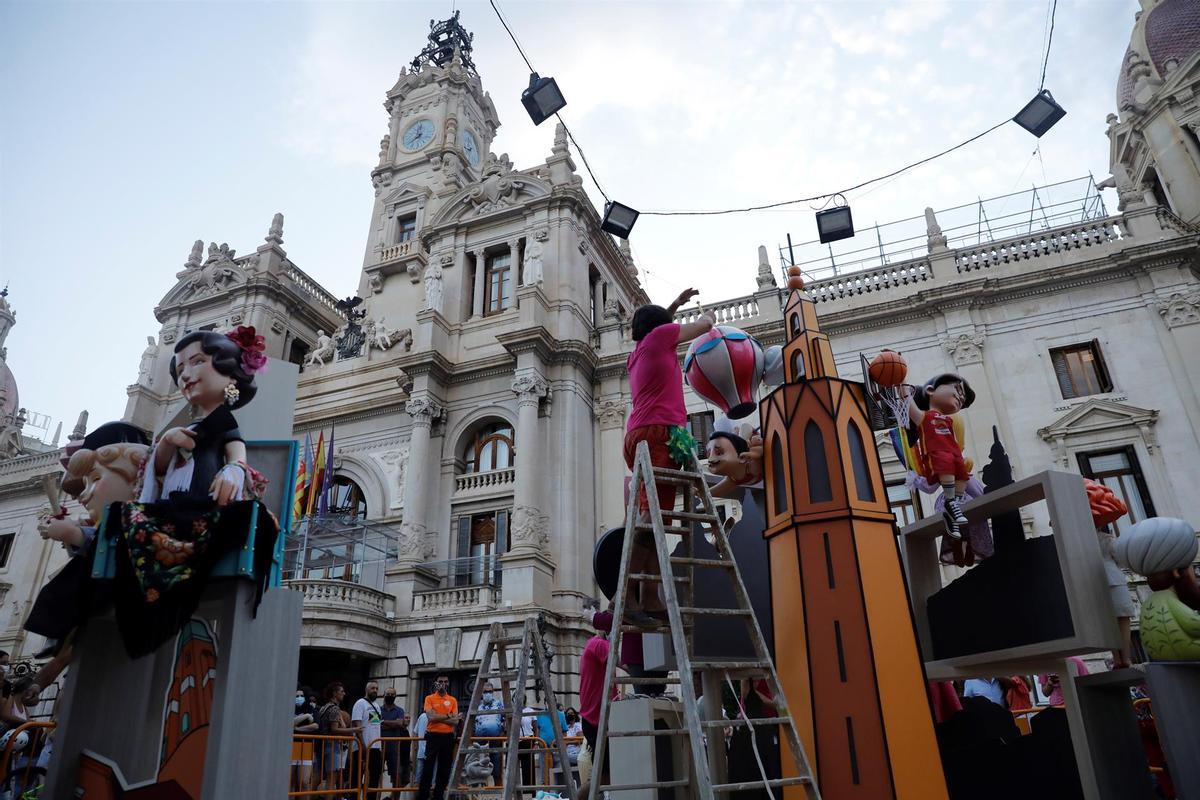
(128, 130)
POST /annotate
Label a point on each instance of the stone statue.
(11, 442)
(322, 351)
(146, 367)
(275, 232)
(433, 287)
(533, 259)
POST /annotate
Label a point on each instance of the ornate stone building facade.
(478, 385)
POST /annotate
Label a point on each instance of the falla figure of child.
(659, 418)
(930, 409)
(198, 492)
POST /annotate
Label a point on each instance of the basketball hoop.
(887, 405)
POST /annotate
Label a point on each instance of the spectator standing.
(574, 731)
(397, 756)
(419, 732)
(304, 722)
(442, 709)
(329, 723)
(489, 722)
(991, 688)
(528, 728)
(367, 721)
(1052, 685)
(591, 686)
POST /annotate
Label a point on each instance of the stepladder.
(513, 664)
(675, 572)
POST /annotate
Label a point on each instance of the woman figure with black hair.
(929, 409)
(658, 417)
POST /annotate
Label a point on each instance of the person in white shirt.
(366, 720)
(419, 732)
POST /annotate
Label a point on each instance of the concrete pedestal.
(645, 759)
(1108, 747)
(126, 710)
(1175, 698)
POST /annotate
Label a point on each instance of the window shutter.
(1139, 480)
(463, 568)
(1062, 371)
(1102, 374)
(501, 546)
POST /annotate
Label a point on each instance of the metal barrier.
(330, 771)
(27, 750)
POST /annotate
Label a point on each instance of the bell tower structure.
(846, 650)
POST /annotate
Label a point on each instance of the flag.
(327, 475)
(316, 475)
(303, 472)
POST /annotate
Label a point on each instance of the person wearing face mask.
(442, 710)
(397, 756)
(366, 718)
(574, 731)
(302, 749)
(489, 722)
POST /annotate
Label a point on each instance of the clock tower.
(440, 128)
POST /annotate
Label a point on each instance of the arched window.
(346, 498)
(797, 364)
(490, 448)
(795, 324)
(819, 488)
(779, 482)
(858, 460)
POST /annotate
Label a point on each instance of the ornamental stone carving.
(1180, 309)
(146, 367)
(395, 466)
(433, 287)
(411, 542)
(423, 410)
(965, 348)
(530, 387)
(612, 309)
(610, 411)
(499, 188)
(533, 258)
(214, 275)
(275, 232)
(530, 527)
(766, 276)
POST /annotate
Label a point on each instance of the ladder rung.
(678, 475)
(645, 628)
(716, 612)
(655, 732)
(802, 780)
(692, 515)
(729, 723)
(663, 679)
(703, 562)
(645, 576)
(629, 787)
(681, 530)
(729, 666)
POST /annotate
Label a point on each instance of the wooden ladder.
(513, 685)
(698, 513)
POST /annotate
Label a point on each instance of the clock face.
(419, 134)
(470, 148)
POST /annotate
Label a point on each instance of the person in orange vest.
(442, 709)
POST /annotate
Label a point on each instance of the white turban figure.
(1158, 544)
(1163, 549)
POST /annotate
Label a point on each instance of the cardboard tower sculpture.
(845, 645)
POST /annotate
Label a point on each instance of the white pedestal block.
(646, 759)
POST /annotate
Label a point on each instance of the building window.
(408, 228)
(346, 498)
(819, 488)
(858, 460)
(6, 544)
(482, 539)
(296, 353)
(902, 503)
(797, 364)
(593, 298)
(497, 284)
(1080, 370)
(1119, 470)
(491, 448)
(778, 476)
(700, 426)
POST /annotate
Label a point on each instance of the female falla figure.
(930, 409)
(198, 493)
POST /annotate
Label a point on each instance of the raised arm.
(691, 330)
(681, 301)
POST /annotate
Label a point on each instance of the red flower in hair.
(253, 361)
(248, 338)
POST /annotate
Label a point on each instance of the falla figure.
(930, 410)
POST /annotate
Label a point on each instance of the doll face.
(947, 398)
(102, 487)
(199, 381)
(723, 458)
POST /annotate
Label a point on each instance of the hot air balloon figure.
(725, 367)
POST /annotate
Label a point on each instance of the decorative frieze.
(1180, 309)
(965, 348)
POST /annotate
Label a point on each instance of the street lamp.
(1040, 113)
(542, 99)
(834, 224)
(618, 219)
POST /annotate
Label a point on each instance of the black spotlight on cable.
(834, 224)
(618, 219)
(542, 99)
(1040, 114)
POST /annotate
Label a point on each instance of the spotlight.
(1040, 113)
(542, 99)
(618, 219)
(834, 224)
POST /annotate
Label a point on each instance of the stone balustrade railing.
(456, 598)
(870, 281)
(311, 287)
(395, 251)
(35, 464)
(484, 481)
(1092, 233)
(343, 596)
(727, 312)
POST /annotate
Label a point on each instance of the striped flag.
(317, 474)
(327, 474)
(302, 478)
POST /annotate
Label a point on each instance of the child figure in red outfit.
(941, 458)
(656, 382)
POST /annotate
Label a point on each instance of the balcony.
(335, 595)
(463, 584)
(495, 481)
(462, 598)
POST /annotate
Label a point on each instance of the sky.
(128, 130)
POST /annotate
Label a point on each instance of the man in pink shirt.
(656, 382)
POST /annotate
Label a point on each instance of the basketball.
(888, 368)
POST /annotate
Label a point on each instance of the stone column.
(514, 253)
(610, 461)
(418, 487)
(528, 567)
(477, 298)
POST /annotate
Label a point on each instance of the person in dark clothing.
(397, 756)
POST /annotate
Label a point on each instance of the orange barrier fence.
(23, 760)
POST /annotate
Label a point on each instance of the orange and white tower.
(845, 645)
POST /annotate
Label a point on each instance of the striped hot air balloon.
(725, 367)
